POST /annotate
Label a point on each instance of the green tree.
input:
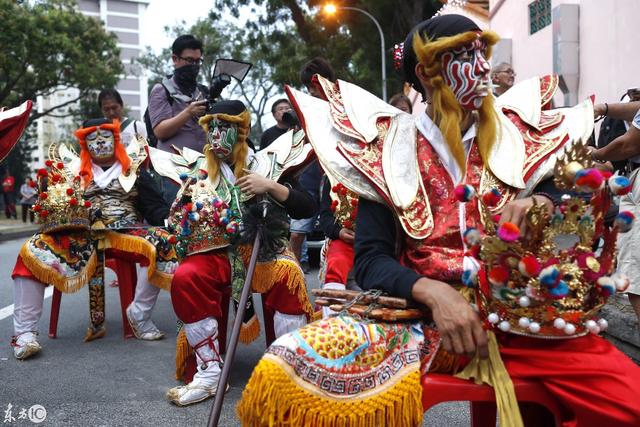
(220, 41)
(47, 46)
(290, 32)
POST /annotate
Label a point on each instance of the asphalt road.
(112, 381)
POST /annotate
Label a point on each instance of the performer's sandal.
(94, 333)
(25, 345)
(151, 334)
(201, 393)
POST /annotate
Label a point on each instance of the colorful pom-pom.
(624, 221)
(508, 232)
(549, 276)
(87, 204)
(469, 278)
(619, 185)
(493, 318)
(589, 180)
(472, 236)
(534, 327)
(559, 291)
(529, 266)
(492, 197)
(48, 163)
(606, 285)
(232, 227)
(559, 323)
(43, 196)
(499, 275)
(73, 201)
(464, 193)
(621, 281)
(183, 177)
(69, 191)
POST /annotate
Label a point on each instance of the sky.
(161, 13)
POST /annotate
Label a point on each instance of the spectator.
(625, 147)
(401, 102)
(28, 197)
(502, 77)
(278, 108)
(8, 187)
(176, 104)
(311, 177)
(112, 106)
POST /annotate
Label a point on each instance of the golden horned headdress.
(553, 281)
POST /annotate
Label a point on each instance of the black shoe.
(306, 268)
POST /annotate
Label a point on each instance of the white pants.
(28, 298)
(145, 297)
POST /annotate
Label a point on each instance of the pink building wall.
(609, 63)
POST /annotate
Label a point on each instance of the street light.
(331, 9)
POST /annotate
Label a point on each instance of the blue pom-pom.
(469, 278)
(183, 177)
(624, 221)
(472, 236)
(199, 205)
(549, 276)
(561, 290)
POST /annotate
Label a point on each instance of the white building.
(124, 18)
(588, 43)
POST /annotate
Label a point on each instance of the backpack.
(172, 93)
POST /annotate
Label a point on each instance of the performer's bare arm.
(458, 324)
(622, 148)
(618, 110)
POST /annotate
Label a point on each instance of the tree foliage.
(290, 32)
(220, 41)
(47, 46)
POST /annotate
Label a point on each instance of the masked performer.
(418, 234)
(92, 207)
(214, 202)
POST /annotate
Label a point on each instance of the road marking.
(8, 310)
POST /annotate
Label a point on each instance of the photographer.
(176, 104)
(278, 109)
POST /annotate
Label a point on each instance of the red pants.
(339, 261)
(198, 285)
(593, 379)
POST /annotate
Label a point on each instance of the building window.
(539, 15)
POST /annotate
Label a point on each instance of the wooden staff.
(337, 294)
(216, 409)
(381, 313)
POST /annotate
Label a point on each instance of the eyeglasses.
(511, 72)
(191, 61)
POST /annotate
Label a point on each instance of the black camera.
(218, 83)
(290, 119)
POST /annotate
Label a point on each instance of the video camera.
(223, 71)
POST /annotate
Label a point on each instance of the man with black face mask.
(176, 104)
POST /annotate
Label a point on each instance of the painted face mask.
(466, 71)
(101, 144)
(222, 136)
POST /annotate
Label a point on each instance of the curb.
(16, 234)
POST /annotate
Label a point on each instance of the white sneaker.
(25, 345)
(203, 386)
(143, 329)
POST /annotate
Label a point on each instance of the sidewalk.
(15, 228)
